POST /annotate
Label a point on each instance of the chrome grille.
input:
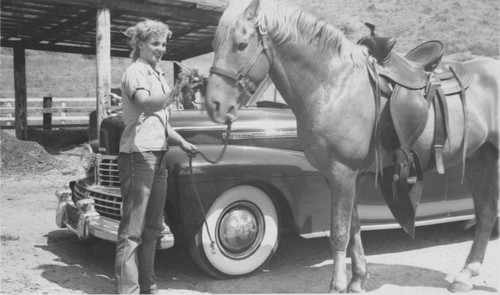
(107, 172)
(107, 176)
(105, 205)
(78, 193)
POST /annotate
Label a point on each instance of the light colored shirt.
(143, 132)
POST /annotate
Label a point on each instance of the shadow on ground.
(83, 266)
(87, 266)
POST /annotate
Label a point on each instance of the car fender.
(285, 175)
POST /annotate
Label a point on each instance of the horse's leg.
(482, 174)
(342, 182)
(357, 253)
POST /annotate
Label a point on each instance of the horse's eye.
(242, 46)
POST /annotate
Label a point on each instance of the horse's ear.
(251, 10)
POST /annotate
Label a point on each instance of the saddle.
(413, 83)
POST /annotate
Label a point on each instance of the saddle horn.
(372, 29)
(379, 47)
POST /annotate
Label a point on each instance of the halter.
(241, 78)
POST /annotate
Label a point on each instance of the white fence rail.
(49, 111)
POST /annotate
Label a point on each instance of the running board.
(395, 225)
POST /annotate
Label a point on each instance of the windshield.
(266, 95)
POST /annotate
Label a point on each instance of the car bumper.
(82, 219)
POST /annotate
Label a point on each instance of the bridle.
(241, 79)
(246, 86)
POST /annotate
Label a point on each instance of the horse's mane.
(290, 25)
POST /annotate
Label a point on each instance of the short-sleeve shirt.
(143, 132)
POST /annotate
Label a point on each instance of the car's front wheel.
(244, 227)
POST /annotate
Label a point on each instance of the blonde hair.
(141, 31)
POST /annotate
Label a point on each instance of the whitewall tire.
(244, 226)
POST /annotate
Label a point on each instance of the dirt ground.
(38, 257)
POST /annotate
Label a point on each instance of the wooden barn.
(95, 27)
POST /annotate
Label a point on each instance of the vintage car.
(231, 214)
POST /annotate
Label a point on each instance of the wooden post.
(47, 116)
(103, 59)
(21, 97)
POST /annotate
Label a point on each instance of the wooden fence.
(49, 112)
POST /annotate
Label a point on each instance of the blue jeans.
(143, 178)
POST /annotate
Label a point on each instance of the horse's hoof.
(355, 288)
(460, 287)
(336, 289)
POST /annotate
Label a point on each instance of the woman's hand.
(189, 148)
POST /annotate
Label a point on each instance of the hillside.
(465, 27)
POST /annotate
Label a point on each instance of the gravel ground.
(38, 257)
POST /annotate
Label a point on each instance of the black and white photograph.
(249, 147)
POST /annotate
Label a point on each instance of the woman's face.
(153, 49)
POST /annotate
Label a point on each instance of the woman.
(142, 159)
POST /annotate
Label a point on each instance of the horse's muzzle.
(230, 118)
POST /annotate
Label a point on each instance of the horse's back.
(481, 98)
(483, 95)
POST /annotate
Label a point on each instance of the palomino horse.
(325, 80)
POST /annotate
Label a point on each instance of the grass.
(465, 27)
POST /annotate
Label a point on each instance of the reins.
(217, 160)
(247, 86)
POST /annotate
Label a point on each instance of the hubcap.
(240, 230)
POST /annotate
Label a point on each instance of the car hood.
(264, 127)
(248, 118)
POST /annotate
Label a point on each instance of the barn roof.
(70, 25)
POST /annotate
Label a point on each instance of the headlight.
(87, 158)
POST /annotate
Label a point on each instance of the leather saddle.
(413, 83)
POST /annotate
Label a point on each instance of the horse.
(325, 79)
(188, 82)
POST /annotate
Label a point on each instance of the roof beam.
(63, 48)
(150, 9)
(214, 5)
(68, 27)
(45, 17)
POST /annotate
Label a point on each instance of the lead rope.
(191, 156)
